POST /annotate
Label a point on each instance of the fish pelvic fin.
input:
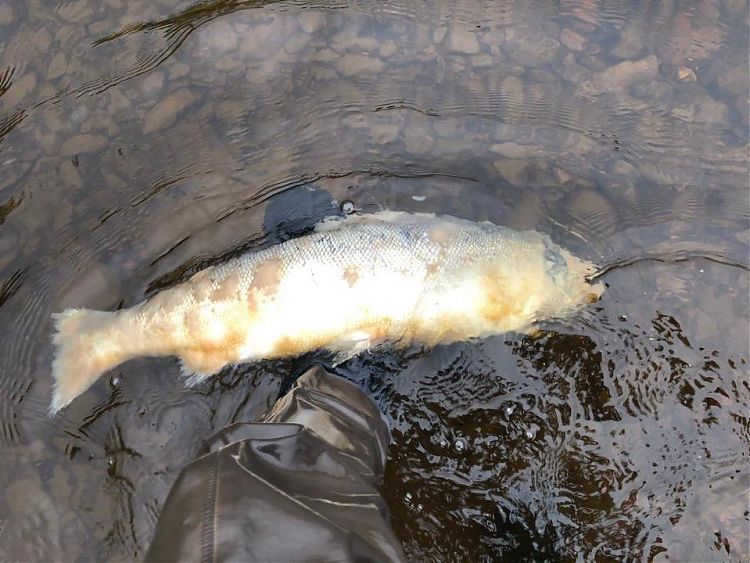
(87, 343)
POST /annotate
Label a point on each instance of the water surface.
(141, 141)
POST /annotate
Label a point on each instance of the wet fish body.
(354, 283)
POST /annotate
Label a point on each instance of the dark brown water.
(142, 140)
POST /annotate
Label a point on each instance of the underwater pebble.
(22, 495)
(165, 112)
(153, 83)
(219, 37)
(81, 144)
(178, 70)
(686, 74)
(622, 75)
(572, 40)
(6, 14)
(57, 66)
(388, 49)
(418, 140)
(462, 41)
(74, 11)
(20, 88)
(352, 64)
(514, 150)
(69, 174)
(311, 21)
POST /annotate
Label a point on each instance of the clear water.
(141, 141)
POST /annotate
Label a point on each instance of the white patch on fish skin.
(335, 308)
(354, 283)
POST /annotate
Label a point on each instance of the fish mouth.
(582, 273)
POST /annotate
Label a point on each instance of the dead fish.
(353, 283)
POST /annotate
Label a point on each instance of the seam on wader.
(208, 524)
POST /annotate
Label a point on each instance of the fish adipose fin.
(87, 343)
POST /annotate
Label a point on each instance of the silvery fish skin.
(354, 283)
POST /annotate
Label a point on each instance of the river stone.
(417, 138)
(572, 40)
(20, 89)
(57, 66)
(310, 22)
(153, 83)
(178, 70)
(6, 14)
(514, 150)
(220, 37)
(462, 41)
(165, 112)
(483, 60)
(69, 174)
(388, 49)
(81, 144)
(619, 77)
(353, 63)
(512, 170)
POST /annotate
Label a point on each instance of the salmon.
(352, 284)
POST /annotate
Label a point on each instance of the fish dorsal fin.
(334, 223)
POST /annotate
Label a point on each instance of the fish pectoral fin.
(197, 366)
(350, 345)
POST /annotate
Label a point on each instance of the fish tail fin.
(87, 343)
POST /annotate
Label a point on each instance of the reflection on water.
(140, 141)
(629, 437)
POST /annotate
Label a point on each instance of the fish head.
(532, 279)
(568, 286)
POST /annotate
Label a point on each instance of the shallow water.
(140, 141)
